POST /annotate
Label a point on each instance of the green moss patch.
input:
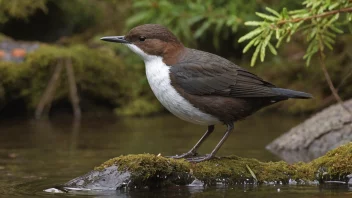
(151, 170)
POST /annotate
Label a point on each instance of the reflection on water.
(35, 155)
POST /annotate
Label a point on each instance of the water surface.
(35, 155)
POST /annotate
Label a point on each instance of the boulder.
(317, 135)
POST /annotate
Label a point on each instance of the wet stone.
(108, 179)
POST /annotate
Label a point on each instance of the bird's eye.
(141, 38)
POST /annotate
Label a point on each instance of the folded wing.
(218, 76)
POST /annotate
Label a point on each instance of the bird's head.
(149, 40)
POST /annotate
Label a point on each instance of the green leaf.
(350, 27)
(252, 173)
(304, 27)
(330, 34)
(335, 29)
(251, 34)
(328, 39)
(288, 39)
(231, 20)
(263, 48)
(255, 54)
(312, 34)
(202, 29)
(267, 17)
(285, 14)
(333, 19)
(280, 40)
(262, 53)
(254, 23)
(277, 33)
(249, 45)
(301, 11)
(218, 27)
(141, 4)
(349, 16)
(274, 12)
(334, 5)
(308, 61)
(138, 18)
(295, 27)
(312, 49)
(309, 54)
(272, 49)
(327, 44)
(257, 40)
(195, 19)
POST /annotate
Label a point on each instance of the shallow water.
(36, 155)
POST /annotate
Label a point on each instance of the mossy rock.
(147, 170)
(98, 75)
(101, 78)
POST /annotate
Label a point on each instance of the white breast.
(159, 80)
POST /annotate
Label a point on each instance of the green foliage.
(74, 14)
(20, 9)
(193, 19)
(319, 21)
(79, 14)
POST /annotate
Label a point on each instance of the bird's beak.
(115, 39)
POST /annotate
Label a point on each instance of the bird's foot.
(184, 155)
(201, 158)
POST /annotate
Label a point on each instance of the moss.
(335, 164)
(146, 168)
(150, 170)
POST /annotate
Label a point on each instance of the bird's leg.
(218, 146)
(193, 151)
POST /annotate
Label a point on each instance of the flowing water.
(36, 155)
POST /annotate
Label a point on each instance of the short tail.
(292, 94)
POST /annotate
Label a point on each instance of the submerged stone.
(108, 179)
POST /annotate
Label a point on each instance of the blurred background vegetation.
(112, 79)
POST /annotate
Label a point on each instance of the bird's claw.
(201, 158)
(184, 155)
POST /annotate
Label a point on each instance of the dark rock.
(108, 179)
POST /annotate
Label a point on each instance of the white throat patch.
(158, 75)
(137, 50)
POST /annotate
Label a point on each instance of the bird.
(198, 86)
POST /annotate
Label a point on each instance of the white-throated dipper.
(197, 86)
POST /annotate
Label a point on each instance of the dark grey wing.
(218, 76)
